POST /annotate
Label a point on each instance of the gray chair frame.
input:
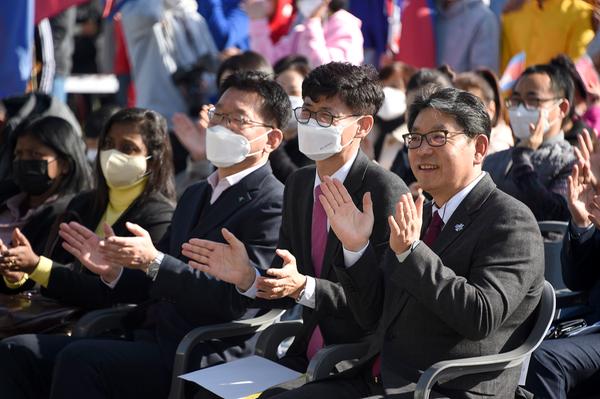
(99, 321)
(552, 250)
(450, 369)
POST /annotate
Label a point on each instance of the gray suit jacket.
(471, 294)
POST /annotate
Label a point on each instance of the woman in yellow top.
(134, 184)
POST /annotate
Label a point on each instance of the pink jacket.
(338, 39)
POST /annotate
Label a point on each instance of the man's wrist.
(247, 279)
(296, 295)
(356, 247)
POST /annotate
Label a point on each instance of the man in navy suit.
(242, 196)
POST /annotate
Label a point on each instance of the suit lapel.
(353, 183)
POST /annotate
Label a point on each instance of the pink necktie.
(318, 235)
(434, 229)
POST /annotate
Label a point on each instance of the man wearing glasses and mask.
(462, 274)
(535, 171)
(340, 100)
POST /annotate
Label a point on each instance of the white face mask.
(225, 148)
(122, 170)
(296, 102)
(319, 143)
(521, 118)
(307, 7)
(91, 154)
(393, 105)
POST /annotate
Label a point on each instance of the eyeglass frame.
(311, 113)
(539, 101)
(243, 122)
(427, 135)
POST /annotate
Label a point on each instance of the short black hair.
(561, 82)
(61, 136)
(427, 77)
(484, 80)
(95, 122)
(275, 108)
(357, 86)
(466, 109)
(247, 61)
(294, 62)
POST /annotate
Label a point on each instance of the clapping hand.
(192, 135)
(279, 283)
(351, 226)
(135, 252)
(20, 257)
(405, 225)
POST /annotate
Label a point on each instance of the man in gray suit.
(463, 275)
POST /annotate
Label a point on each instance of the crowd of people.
(378, 169)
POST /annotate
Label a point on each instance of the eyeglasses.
(323, 118)
(236, 121)
(531, 103)
(435, 138)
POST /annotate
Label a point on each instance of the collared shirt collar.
(450, 206)
(339, 174)
(220, 185)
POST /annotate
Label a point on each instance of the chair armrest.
(450, 369)
(324, 361)
(96, 322)
(567, 298)
(216, 331)
(269, 340)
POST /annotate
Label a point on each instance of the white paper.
(243, 377)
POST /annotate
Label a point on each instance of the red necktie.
(318, 243)
(433, 230)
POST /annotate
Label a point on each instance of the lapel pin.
(240, 199)
(458, 227)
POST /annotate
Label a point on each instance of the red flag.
(50, 8)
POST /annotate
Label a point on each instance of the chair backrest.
(552, 248)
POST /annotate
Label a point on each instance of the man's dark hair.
(97, 119)
(466, 109)
(336, 5)
(426, 77)
(247, 61)
(275, 108)
(561, 82)
(294, 62)
(357, 86)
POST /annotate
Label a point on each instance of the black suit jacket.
(471, 294)
(331, 313)
(73, 284)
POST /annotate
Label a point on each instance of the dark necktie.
(318, 238)
(433, 230)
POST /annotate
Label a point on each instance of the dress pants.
(41, 366)
(565, 366)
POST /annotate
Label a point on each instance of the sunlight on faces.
(126, 138)
(443, 171)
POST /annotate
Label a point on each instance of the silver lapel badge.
(458, 227)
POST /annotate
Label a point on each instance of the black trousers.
(42, 366)
(565, 367)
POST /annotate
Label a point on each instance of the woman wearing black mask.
(134, 176)
(49, 168)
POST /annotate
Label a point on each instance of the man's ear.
(364, 126)
(564, 106)
(482, 143)
(274, 140)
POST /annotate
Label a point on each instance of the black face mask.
(32, 176)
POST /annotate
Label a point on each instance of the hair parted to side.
(466, 109)
(275, 107)
(357, 86)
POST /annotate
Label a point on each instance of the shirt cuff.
(250, 292)
(113, 283)
(350, 258)
(581, 233)
(17, 284)
(41, 274)
(308, 297)
(402, 257)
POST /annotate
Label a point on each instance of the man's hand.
(131, 252)
(19, 258)
(405, 225)
(283, 282)
(192, 135)
(351, 226)
(228, 262)
(588, 154)
(84, 244)
(536, 136)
